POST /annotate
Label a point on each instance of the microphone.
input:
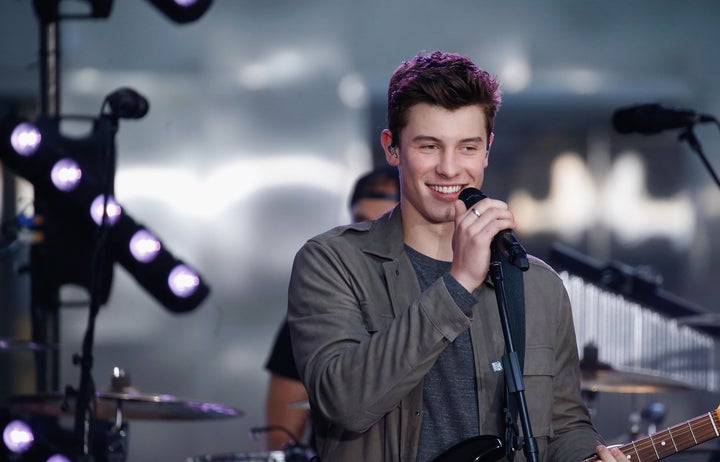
(126, 103)
(649, 119)
(505, 241)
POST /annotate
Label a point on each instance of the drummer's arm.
(282, 409)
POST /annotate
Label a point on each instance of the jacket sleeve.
(574, 436)
(356, 360)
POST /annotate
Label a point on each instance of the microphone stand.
(689, 136)
(107, 127)
(511, 364)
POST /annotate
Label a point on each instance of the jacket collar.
(386, 235)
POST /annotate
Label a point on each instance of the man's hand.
(610, 454)
(475, 229)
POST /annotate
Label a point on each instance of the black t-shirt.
(281, 360)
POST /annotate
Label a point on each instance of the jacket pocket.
(538, 377)
(373, 320)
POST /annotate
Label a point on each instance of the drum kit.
(123, 402)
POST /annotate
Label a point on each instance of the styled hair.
(443, 79)
(374, 185)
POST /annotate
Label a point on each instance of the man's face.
(441, 152)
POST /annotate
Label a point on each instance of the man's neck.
(431, 239)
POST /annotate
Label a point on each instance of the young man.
(394, 325)
(374, 194)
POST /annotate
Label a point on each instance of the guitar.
(657, 446)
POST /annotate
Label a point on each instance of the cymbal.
(13, 345)
(601, 377)
(108, 405)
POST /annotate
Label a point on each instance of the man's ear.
(391, 151)
(487, 150)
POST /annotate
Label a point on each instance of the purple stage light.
(18, 436)
(144, 246)
(58, 458)
(113, 210)
(66, 174)
(25, 139)
(183, 281)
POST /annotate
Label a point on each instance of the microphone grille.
(628, 119)
(470, 196)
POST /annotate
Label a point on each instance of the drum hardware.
(119, 406)
(122, 401)
(109, 412)
(597, 376)
(272, 456)
(292, 452)
(288, 455)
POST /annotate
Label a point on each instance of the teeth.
(446, 189)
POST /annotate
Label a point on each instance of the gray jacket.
(364, 336)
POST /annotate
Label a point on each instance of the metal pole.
(45, 299)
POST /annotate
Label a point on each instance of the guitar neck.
(672, 440)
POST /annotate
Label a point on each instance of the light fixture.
(183, 281)
(171, 281)
(182, 11)
(65, 174)
(58, 458)
(25, 138)
(144, 246)
(105, 208)
(72, 178)
(18, 436)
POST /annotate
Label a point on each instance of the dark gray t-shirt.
(450, 407)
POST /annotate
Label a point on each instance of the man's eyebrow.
(422, 138)
(474, 139)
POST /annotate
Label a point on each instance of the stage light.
(171, 281)
(72, 177)
(182, 11)
(25, 139)
(58, 458)
(66, 174)
(144, 246)
(183, 281)
(18, 436)
(112, 210)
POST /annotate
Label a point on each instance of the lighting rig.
(79, 232)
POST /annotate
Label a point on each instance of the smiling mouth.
(446, 189)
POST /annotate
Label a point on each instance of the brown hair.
(444, 79)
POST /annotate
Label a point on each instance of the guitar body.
(657, 446)
(483, 448)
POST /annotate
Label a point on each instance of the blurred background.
(262, 115)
